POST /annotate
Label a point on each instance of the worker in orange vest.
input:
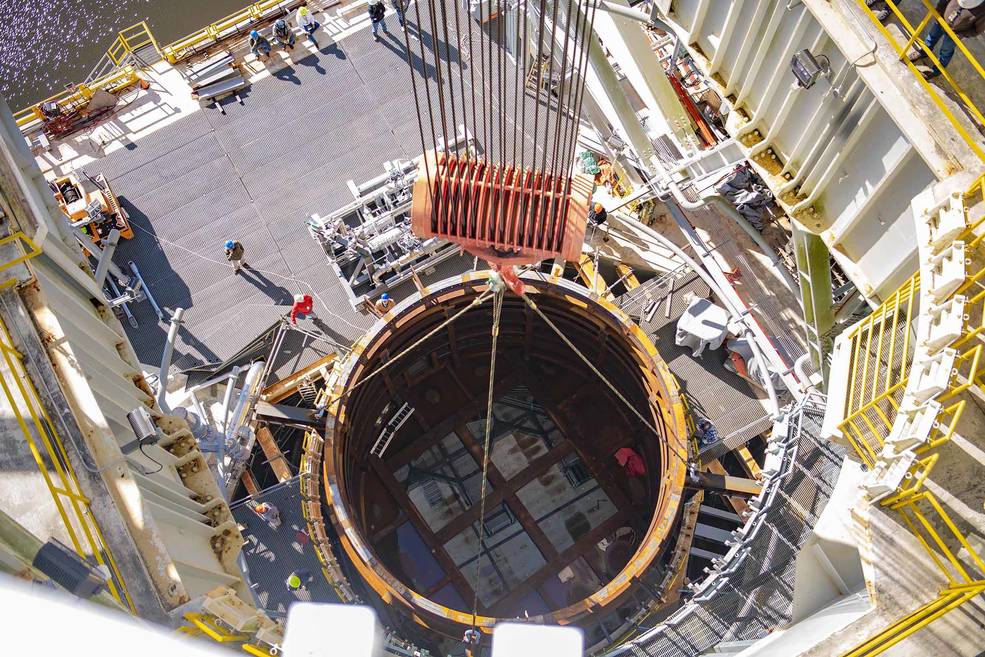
(303, 305)
(384, 304)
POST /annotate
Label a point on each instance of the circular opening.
(580, 494)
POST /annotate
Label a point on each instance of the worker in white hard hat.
(966, 18)
(307, 22)
(376, 13)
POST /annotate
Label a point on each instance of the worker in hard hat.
(283, 35)
(307, 22)
(259, 45)
(303, 306)
(376, 14)
(597, 214)
(298, 580)
(384, 304)
(234, 254)
(966, 18)
(268, 512)
(398, 6)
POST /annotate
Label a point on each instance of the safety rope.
(605, 380)
(497, 312)
(475, 302)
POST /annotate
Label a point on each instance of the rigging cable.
(497, 312)
(474, 303)
(619, 395)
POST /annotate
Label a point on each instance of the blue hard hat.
(384, 296)
(254, 34)
(230, 244)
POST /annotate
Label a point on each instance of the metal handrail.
(919, 507)
(913, 34)
(113, 82)
(233, 24)
(46, 446)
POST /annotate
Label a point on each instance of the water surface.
(48, 44)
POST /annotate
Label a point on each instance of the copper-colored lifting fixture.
(500, 213)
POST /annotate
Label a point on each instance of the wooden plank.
(250, 483)
(593, 280)
(276, 458)
(628, 277)
(748, 462)
(436, 547)
(585, 543)
(498, 481)
(289, 385)
(737, 502)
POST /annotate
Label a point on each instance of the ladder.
(391, 429)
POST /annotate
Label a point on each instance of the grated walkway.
(753, 594)
(255, 174)
(733, 405)
(271, 555)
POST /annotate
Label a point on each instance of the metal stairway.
(750, 592)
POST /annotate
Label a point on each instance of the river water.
(47, 44)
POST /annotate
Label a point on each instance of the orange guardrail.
(914, 40)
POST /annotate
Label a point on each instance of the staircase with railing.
(909, 407)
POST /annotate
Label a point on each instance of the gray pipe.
(717, 291)
(723, 204)
(798, 368)
(162, 375)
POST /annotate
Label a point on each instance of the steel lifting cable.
(497, 313)
(605, 380)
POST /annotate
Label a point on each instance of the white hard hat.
(969, 4)
(298, 298)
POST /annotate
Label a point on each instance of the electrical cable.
(292, 278)
(160, 466)
(393, 359)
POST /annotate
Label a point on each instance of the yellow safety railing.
(919, 508)
(950, 598)
(914, 39)
(210, 627)
(128, 41)
(132, 39)
(881, 349)
(46, 446)
(79, 96)
(28, 249)
(238, 23)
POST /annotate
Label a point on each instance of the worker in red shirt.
(631, 462)
(303, 305)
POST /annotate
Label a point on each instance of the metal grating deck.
(711, 391)
(756, 595)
